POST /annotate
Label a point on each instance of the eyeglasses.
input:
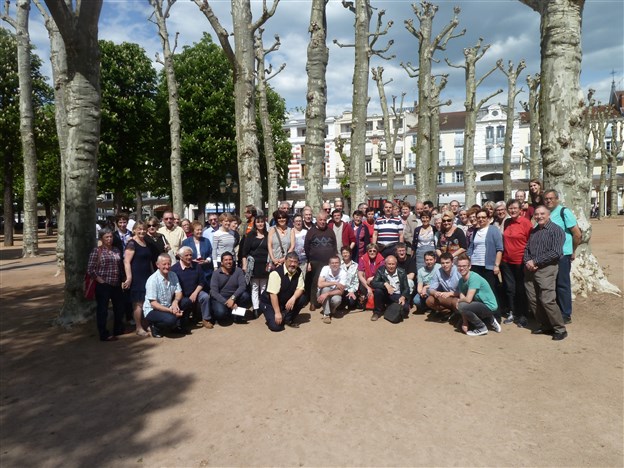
(549, 198)
(481, 217)
(447, 221)
(372, 250)
(152, 225)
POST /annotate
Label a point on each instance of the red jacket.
(348, 235)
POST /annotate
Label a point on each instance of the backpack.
(394, 313)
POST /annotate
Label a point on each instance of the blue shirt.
(161, 290)
(442, 282)
(569, 222)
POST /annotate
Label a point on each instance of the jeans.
(103, 294)
(221, 312)
(202, 303)
(419, 301)
(287, 316)
(564, 286)
(490, 277)
(475, 312)
(382, 299)
(513, 278)
(160, 320)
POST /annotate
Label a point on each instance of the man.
(174, 235)
(369, 222)
(407, 263)
(228, 291)
(428, 206)
(213, 226)
(541, 260)
(390, 285)
(425, 275)
(319, 246)
(410, 223)
(565, 219)
(306, 214)
(342, 230)
(454, 206)
(352, 283)
(326, 207)
(284, 296)
(363, 207)
(362, 235)
(163, 292)
(476, 301)
(331, 286)
(176, 219)
(419, 207)
(339, 205)
(193, 283)
(121, 234)
(527, 209)
(388, 231)
(443, 288)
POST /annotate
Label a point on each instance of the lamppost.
(228, 187)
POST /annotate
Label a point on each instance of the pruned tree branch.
(266, 14)
(487, 98)
(222, 34)
(411, 71)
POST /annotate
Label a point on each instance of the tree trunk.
(613, 186)
(265, 121)
(9, 220)
(27, 130)
(562, 109)
(49, 230)
(390, 142)
(201, 207)
(138, 197)
(434, 147)
(360, 102)
(79, 31)
(315, 114)
(175, 158)
(534, 134)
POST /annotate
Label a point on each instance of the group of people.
(478, 266)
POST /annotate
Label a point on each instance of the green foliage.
(127, 143)
(48, 158)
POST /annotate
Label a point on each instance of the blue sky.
(510, 27)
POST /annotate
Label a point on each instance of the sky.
(511, 29)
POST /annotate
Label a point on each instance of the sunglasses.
(372, 250)
(447, 221)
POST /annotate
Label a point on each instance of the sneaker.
(522, 322)
(327, 319)
(155, 332)
(375, 317)
(496, 326)
(509, 319)
(567, 320)
(483, 331)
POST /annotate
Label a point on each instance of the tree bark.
(434, 155)
(562, 114)
(316, 97)
(533, 82)
(79, 32)
(377, 74)
(617, 142)
(138, 197)
(177, 197)
(9, 220)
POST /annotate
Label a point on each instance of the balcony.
(489, 141)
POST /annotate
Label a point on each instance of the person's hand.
(321, 298)
(278, 317)
(351, 295)
(229, 303)
(496, 270)
(389, 288)
(402, 300)
(290, 303)
(370, 292)
(193, 297)
(309, 267)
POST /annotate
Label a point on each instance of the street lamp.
(228, 187)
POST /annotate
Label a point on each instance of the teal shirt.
(483, 293)
(570, 222)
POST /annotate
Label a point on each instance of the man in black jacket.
(390, 285)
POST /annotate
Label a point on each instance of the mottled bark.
(562, 115)
(138, 200)
(434, 125)
(175, 158)
(9, 223)
(425, 13)
(532, 107)
(473, 55)
(79, 31)
(512, 78)
(617, 140)
(316, 97)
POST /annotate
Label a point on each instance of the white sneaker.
(496, 326)
(483, 331)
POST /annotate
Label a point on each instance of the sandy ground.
(353, 393)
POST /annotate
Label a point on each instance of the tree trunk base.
(75, 312)
(588, 277)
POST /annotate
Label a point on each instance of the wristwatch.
(233, 297)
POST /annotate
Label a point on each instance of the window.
(301, 132)
(398, 123)
(398, 166)
(303, 170)
(369, 126)
(442, 157)
(383, 165)
(345, 128)
(440, 178)
(459, 139)
(411, 161)
(489, 135)
(368, 166)
(488, 153)
(458, 177)
(380, 125)
(459, 156)
(409, 179)
(500, 131)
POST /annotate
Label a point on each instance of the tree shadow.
(68, 398)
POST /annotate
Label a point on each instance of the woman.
(185, 224)
(367, 267)
(490, 207)
(516, 236)
(279, 240)
(223, 239)
(202, 251)
(424, 239)
(472, 224)
(138, 267)
(436, 221)
(451, 239)
(256, 246)
(362, 235)
(104, 267)
(297, 238)
(536, 193)
(463, 222)
(155, 240)
(486, 250)
(500, 215)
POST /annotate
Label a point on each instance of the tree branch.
(486, 99)
(266, 14)
(486, 75)
(6, 17)
(411, 71)
(452, 65)
(222, 34)
(341, 45)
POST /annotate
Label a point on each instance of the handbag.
(251, 262)
(89, 281)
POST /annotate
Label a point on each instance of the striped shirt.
(388, 230)
(545, 245)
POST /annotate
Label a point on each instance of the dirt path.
(351, 393)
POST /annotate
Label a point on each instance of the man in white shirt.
(173, 234)
(331, 286)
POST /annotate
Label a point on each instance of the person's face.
(337, 217)
(107, 239)
(482, 220)
(490, 210)
(326, 207)
(227, 262)
(283, 208)
(307, 216)
(463, 216)
(247, 215)
(542, 215)
(405, 212)
(225, 225)
(152, 227)
(197, 232)
(186, 258)
(339, 205)
(388, 209)
(391, 265)
(292, 264)
(139, 231)
(514, 210)
(401, 252)
(334, 264)
(163, 265)
(501, 212)
(176, 219)
(550, 201)
(260, 225)
(534, 187)
(186, 226)
(472, 219)
(213, 221)
(321, 221)
(464, 268)
(429, 261)
(425, 219)
(298, 222)
(346, 256)
(454, 207)
(234, 225)
(357, 219)
(446, 264)
(168, 220)
(438, 224)
(282, 222)
(520, 195)
(122, 224)
(419, 208)
(372, 253)
(370, 216)
(447, 223)
(396, 211)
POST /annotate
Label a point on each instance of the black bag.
(394, 313)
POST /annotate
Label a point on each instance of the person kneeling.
(192, 280)
(331, 286)
(390, 285)
(425, 274)
(477, 302)
(284, 295)
(162, 297)
(228, 291)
